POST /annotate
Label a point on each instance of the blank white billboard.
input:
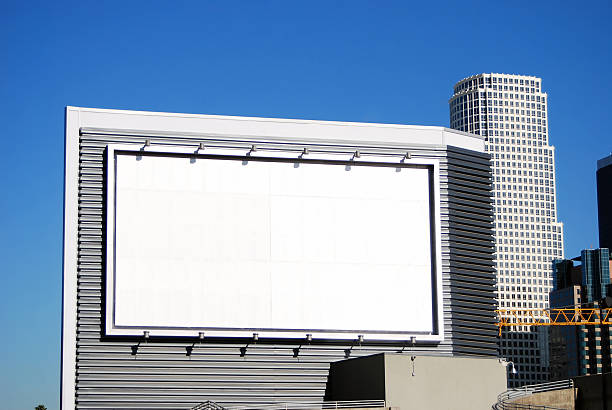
(232, 246)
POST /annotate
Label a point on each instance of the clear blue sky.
(377, 61)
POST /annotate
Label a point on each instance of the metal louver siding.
(471, 271)
(161, 375)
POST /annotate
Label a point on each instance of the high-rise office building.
(511, 111)
(566, 342)
(580, 350)
(604, 201)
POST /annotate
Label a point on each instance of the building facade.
(511, 112)
(119, 352)
(604, 201)
(580, 350)
(595, 274)
(566, 352)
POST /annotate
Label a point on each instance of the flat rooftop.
(141, 123)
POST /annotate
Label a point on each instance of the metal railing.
(504, 400)
(314, 405)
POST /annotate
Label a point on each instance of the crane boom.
(573, 316)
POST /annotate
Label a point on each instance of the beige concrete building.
(419, 382)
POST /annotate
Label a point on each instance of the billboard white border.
(437, 309)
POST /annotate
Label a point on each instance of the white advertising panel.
(232, 246)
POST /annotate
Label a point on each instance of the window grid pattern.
(511, 111)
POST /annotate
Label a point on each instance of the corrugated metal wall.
(161, 375)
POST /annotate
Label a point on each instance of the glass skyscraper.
(580, 350)
(595, 274)
(604, 201)
(511, 112)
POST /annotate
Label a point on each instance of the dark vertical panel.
(604, 206)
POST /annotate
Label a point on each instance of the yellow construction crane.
(573, 316)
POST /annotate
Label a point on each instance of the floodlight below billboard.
(235, 245)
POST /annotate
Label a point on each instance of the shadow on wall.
(591, 390)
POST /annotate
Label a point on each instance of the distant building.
(580, 350)
(511, 112)
(566, 275)
(595, 274)
(604, 201)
